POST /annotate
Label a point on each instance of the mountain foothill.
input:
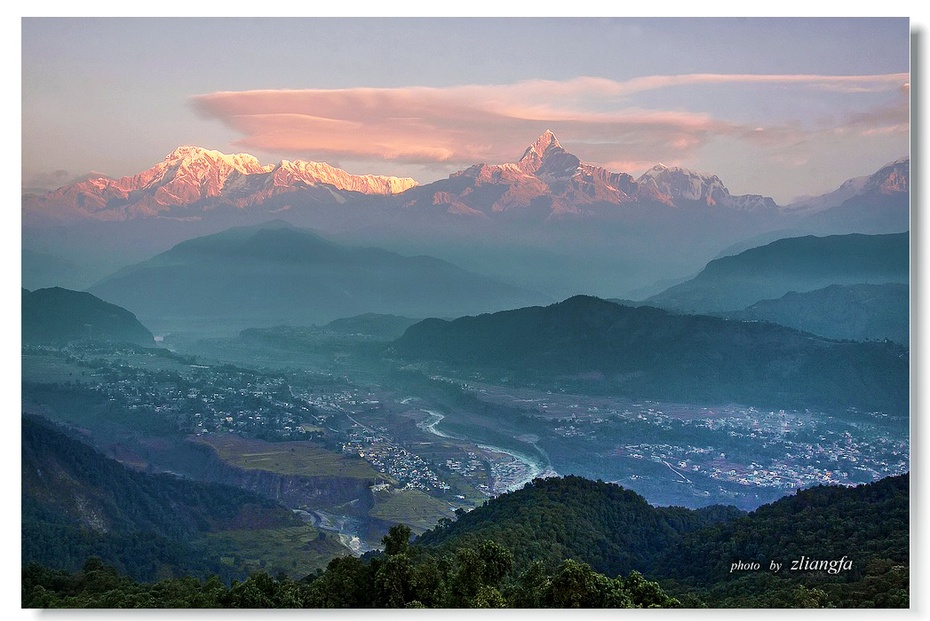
(56, 316)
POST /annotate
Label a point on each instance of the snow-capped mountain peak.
(241, 162)
(671, 184)
(681, 183)
(313, 173)
(190, 175)
(892, 178)
(547, 144)
(547, 173)
(546, 141)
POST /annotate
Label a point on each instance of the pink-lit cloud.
(462, 125)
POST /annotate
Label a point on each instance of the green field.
(48, 369)
(298, 550)
(412, 507)
(53, 367)
(288, 458)
(149, 361)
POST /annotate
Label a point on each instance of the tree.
(393, 582)
(259, 591)
(488, 597)
(347, 583)
(397, 541)
(646, 594)
(496, 562)
(529, 589)
(576, 585)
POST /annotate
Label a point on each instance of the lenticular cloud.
(488, 123)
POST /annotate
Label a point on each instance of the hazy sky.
(781, 107)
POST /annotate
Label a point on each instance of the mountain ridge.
(275, 273)
(546, 221)
(190, 174)
(891, 178)
(588, 344)
(855, 312)
(798, 264)
(550, 178)
(58, 315)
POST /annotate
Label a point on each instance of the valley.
(247, 370)
(355, 441)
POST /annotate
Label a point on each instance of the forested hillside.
(76, 503)
(570, 542)
(691, 553)
(585, 343)
(613, 529)
(867, 525)
(404, 576)
(59, 315)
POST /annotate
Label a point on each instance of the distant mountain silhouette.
(42, 270)
(795, 264)
(591, 344)
(856, 312)
(373, 325)
(57, 315)
(868, 204)
(275, 274)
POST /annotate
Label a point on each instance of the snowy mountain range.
(547, 179)
(547, 221)
(550, 178)
(892, 178)
(192, 175)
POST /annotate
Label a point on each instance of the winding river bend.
(429, 424)
(507, 476)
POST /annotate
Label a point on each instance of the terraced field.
(412, 507)
(298, 551)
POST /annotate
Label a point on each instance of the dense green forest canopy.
(403, 576)
(681, 557)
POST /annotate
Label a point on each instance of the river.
(506, 476)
